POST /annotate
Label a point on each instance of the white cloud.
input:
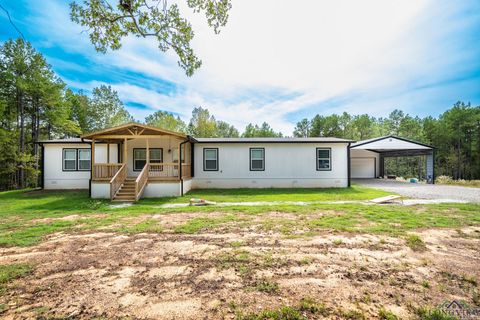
(276, 58)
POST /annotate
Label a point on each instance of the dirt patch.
(170, 221)
(207, 275)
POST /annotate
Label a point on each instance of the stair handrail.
(141, 181)
(118, 180)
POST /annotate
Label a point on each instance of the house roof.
(65, 140)
(273, 140)
(390, 142)
(132, 129)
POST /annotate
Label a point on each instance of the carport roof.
(390, 143)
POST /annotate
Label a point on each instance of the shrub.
(416, 243)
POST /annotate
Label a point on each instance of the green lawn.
(356, 192)
(27, 216)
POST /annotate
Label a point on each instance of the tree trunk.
(21, 142)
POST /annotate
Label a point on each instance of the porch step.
(126, 191)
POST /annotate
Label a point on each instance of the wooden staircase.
(126, 191)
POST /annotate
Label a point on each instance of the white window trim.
(205, 159)
(150, 149)
(317, 158)
(89, 160)
(64, 150)
(262, 159)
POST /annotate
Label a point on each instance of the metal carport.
(389, 146)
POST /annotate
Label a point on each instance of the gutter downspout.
(349, 164)
(42, 166)
(91, 167)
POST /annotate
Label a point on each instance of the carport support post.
(382, 166)
(431, 167)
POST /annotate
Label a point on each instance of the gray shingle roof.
(65, 140)
(273, 140)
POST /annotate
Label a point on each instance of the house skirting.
(231, 183)
(153, 189)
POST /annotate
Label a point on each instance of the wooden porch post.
(108, 151)
(148, 152)
(92, 154)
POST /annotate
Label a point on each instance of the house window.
(257, 159)
(69, 159)
(84, 159)
(210, 159)
(140, 157)
(324, 159)
(76, 159)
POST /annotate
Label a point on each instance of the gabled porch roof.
(132, 130)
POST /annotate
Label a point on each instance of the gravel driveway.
(424, 191)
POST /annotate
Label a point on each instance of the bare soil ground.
(217, 275)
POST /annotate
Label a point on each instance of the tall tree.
(107, 24)
(166, 120)
(226, 130)
(81, 109)
(263, 131)
(103, 110)
(364, 127)
(202, 124)
(302, 129)
(32, 100)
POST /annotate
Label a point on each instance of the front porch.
(145, 156)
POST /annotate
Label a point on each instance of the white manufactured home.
(134, 160)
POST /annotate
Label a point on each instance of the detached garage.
(367, 157)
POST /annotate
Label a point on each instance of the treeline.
(35, 104)
(455, 134)
(203, 124)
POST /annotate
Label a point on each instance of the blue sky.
(280, 62)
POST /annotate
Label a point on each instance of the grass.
(306, 309)
(356, 192)
(28, 216)
(11, 272)
(283, 313)
(311, 306)
(415, 243)
(385, 314)
(267, 286)
(460, 182)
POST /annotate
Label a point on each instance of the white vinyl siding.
(287, 165)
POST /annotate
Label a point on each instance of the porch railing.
(186, 170)
(105, 171)
(118, 180)
(163, 170)
(141, 182)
